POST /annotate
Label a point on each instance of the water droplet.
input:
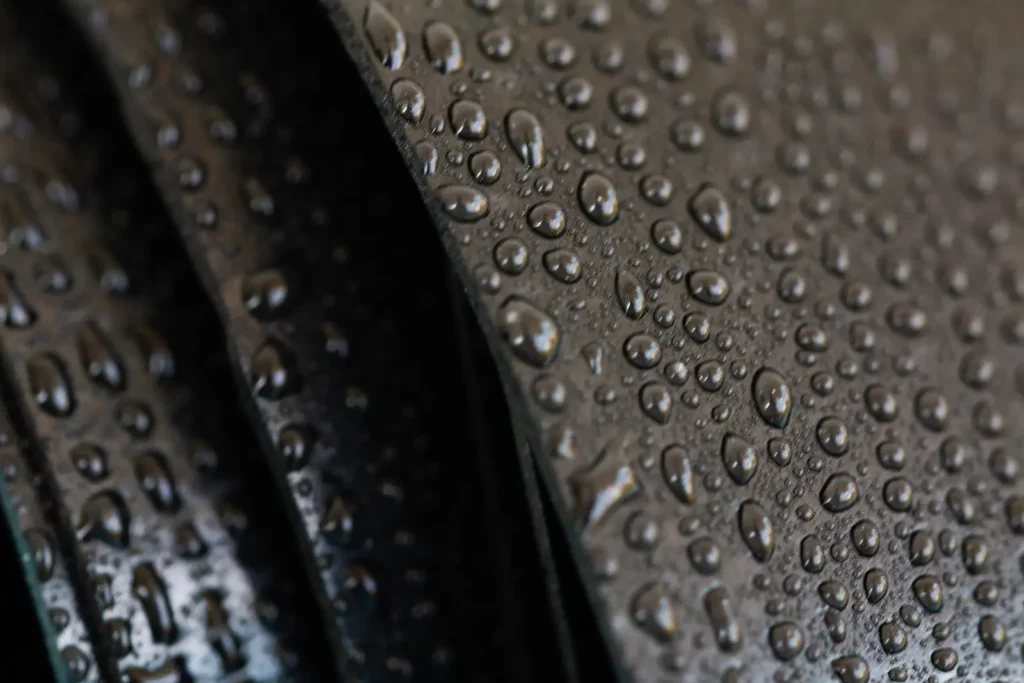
(410, 102)
(656, 402)
(564, 265)
(773, 397)
(891, 455)
(385, 36)
(678, 471)
(485, 166)
(442, 46)
(876, 585)
(598, 198)
(629, 103)
(601, 489)
(526, 136)
(866, 538)
(756, 530)
(922, 548)
(708, 286)
(928, 591)
(833, 436)
(786, 640)
(730, 114)
(530, 332)
(104, 518)
(630, 294)
(780, 452)
(723, 621)
(974, 552)
(932, 409)
(892, 637)
(704, 555)
(469, 122)
(98, 357)
(739, 458)
(265, 293)
(944, 659)
(881, 403)
(497, 44)
(812, 555)
(839, 493)
(711, 211)
(463, 203)
(511, 255)
(51, 388)
(90, 461)
(669, 57)
(851, 669)
(898, 494)
(156, 480)
(992, 633)
(273, 372)
(15, 311)
(149, 589)
(653, 612)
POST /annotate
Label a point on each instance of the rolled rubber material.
(753, 275)
(152, 569)
(352, 383)
(747, 405)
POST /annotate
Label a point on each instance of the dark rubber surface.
(756, 270)
(149, 567)
(750, 275)
(351, 381)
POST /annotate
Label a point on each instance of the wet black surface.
(351, 381)
(153, 559)
(751, 274)
(810, 213)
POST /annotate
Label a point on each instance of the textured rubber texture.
(753, 274)
(150, 568)
(351, 379)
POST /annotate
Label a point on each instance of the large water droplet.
(630, 294)
(851, 669)
(653, 612)
(839, 493)
(739, 458)
(463, 203)
(786, 640)
(773, 397)
(723, 620)
(526, 136)
(51, 388)
(104, 517)
(385, 35)
(678, 471)
(532, 333)
(443, 48)
(712, 213)
(756, 530)
(149, 589)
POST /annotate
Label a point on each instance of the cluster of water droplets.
(769, 209)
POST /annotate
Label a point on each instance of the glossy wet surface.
(751, 273)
